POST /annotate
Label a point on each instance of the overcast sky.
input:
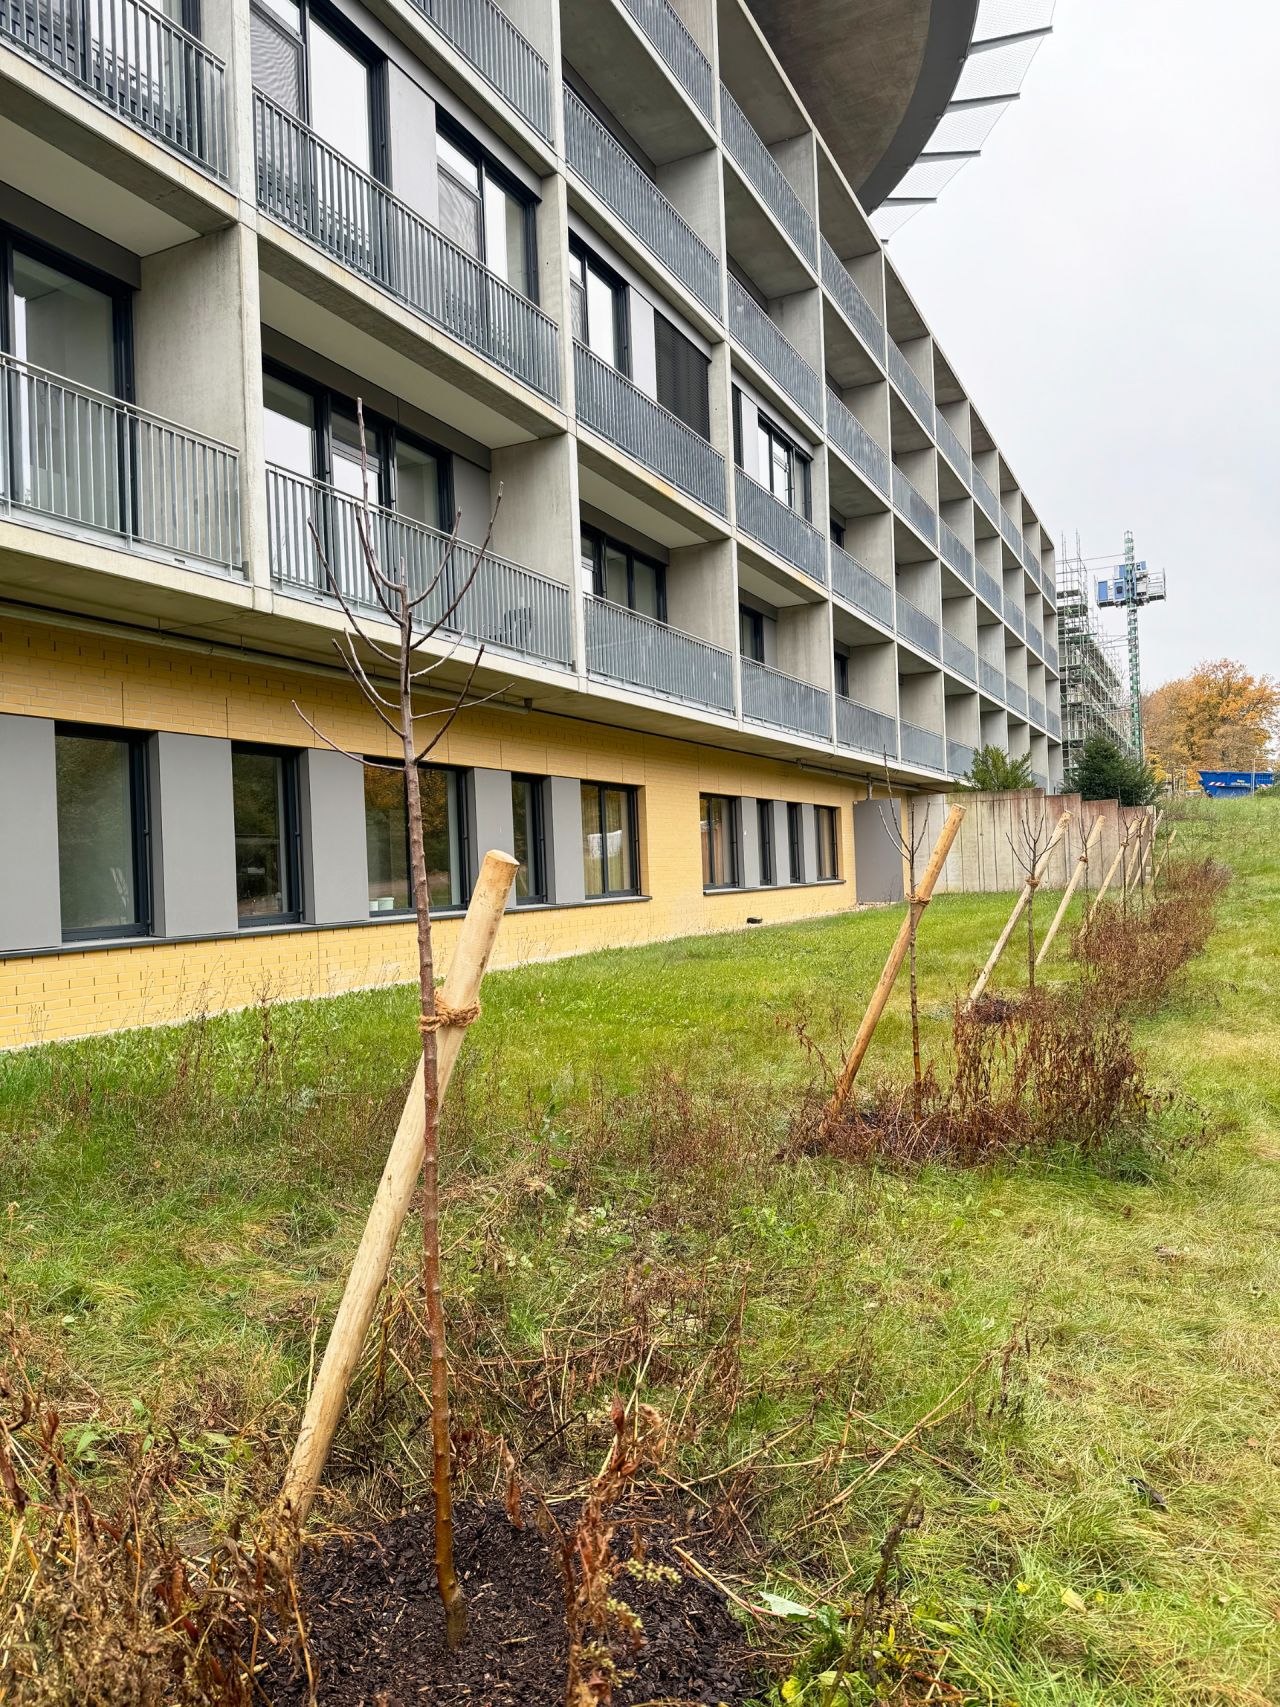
(1106, 282)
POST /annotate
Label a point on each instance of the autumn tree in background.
(1220, 717)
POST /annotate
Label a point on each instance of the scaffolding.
(1093, 695)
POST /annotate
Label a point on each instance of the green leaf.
(781, 1607)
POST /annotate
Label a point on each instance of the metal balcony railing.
(912, 387)
(1016, 697)
(1036, 708)
(855, 443)
(952, 449)
(610, 405)
(959, 656)
(991, 679)
(955, 553)
(986, 497)
(867, 730)
(311, 189)
(783, 530)
(1014, 617)
(1053, 723)
(922, 747)
(919, 627)
(857, 586)
(1051, 654)
(488, 40)
(1009, 533)
(1030, 562)
(770, 696)
(761, 170)
(627, 190)
(689, 65)
(134, 60)
(851, 302)
(1035, 638)
(959, 758)
(779, 358)
(625, 646)
(988, 588)
(506, 606)
(914, 506)
(86, 462)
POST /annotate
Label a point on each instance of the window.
(768, 865)
(682, 376)
(795, 841)
(101, 790)
(610, 856)
(484, 212)
(751, 633)
(529, 847)
(599, 300)
(720, 863)
(837, 531)
(624, 575)
(386, 834)
(308, 59)
(342, 95)
(784, 467)
(842, 674)
(264, 790)
(825, 824)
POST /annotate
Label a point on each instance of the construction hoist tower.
(1129, 587)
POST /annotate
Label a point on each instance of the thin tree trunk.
(914, 914)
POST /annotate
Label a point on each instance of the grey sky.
(1106, 282)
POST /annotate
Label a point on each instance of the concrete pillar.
(193, 838)
(335, 863)
(30, 908)
(565, 878)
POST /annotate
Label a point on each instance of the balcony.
(922, 747)
(912, 387)
(857, 586)
(958, 657)
(1014, 617)
(784, 702)
(506, 606)
(917, 626)
(605, 166)
(1016, 698)
(1036, 708)
(778, 527)
(488, 40)
(867, 730)
(132, 60)
(765, 175)
(1050, 654)
(610, 405)
(625, 646)
(986, 498)
(683, 57)
(855, 443)
(914, 506)
(952, 449)
(1009, 533)
(1035, 638)
(354, 219)
(851, 302)
(83, 462)
(959, 758)
(955, 553)
(756, 332)
(991, 679)
(988, 588)
(1053, 723)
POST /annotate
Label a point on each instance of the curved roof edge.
(951, 27)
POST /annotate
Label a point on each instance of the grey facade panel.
(749, 831)
(565, 878)
(335, 858)
(809, 830)
(193, 849)
(877, 862)
(30, 910)
(492, 822)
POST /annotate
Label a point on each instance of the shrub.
(1130, 959)
(1105, 771)
(996, 772)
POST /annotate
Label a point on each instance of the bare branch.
(456, 707)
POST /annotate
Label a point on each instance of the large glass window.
(768, 863)
(751, 633)
(610, 857)
(842, 674)
(264, 786)
(720, 861)
(386, 840)
(341, 95)
(484, 212)
(599, 302)
(529, 839)
(100, 780)
(784, 467)
(624, 575)
(795, 842)
(386, 834)
(288, 425)
(826, 825)
(63, 324)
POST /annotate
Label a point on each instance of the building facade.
(755, 550)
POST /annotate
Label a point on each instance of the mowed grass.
(183, 1205)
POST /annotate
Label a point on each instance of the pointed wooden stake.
(1173, 836)
(1111, 871)
(1019, 907)
(1082, 865)
(394, 1195)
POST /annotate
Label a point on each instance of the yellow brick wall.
(85, 677)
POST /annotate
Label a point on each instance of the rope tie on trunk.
(445, 1015)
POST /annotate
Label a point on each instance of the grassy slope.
(185, 1203)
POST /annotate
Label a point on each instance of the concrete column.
(335, 863)
(492, 819)
(30, 907)
(565, 878)
(749, 821)
(192, 835)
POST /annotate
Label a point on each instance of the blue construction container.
(1234, 785)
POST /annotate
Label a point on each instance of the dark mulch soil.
(995, 1010)
(377, 1632)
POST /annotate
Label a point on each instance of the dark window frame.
(841, 661)
(768, 863)
(589, 260)
(826, 821)
(374, 60)
(632, 797)
(491, 167)
(795, 841)
(602, 542)
(837, 530)
(733, 849)
(755, 622)
(801, 466)
(291, 870)
(13, 238)
(458, 776)
(538, 886)
(137, 741)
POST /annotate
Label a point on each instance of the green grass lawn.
(182, 1205)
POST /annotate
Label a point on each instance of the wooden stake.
(880, 995)
(1081, 867)
(1111, 871)
(1149, 859)
(1173, 836)
(394, 1195)
(1019, 906)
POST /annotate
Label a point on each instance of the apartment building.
(756, 553)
